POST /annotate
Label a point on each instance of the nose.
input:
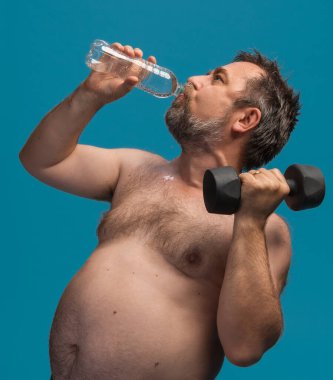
(197, 81)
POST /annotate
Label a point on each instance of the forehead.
(243, 70)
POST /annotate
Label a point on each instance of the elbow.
(23, 158)
(27, 163)
(24, 161)
(249, 354)
(243, 359)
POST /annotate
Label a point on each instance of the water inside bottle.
(160, 86)
(154, 79)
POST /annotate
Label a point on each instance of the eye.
(218, 77)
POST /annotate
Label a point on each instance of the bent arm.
(249, 317)
(56, 136)
(52, 153)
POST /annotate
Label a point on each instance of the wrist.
(83, 97)
(249, 221)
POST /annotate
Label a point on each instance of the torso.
(144, 304)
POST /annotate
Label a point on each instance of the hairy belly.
(129, 314)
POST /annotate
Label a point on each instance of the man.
(170, 289)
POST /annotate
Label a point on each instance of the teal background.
(47, 234)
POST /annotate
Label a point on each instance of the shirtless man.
(170, 289)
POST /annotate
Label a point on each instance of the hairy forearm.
(57, 134)
(249, 317)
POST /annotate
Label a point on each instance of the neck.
(191, 166)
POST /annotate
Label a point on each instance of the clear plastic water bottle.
(154, 79)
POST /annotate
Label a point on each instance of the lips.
(186, 94)
(189, 85)
(188, 88)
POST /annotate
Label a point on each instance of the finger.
(278, 175)
(129, 50)
(264, 177)
(277, 180)
(152, 59)
(274, 174)
(284, 184)
(118, 46)
(246, 177)
(266, 174)
(131, 80)
(138, 52)
(255, 173)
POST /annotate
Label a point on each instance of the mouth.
(185, 95)
(189, 85)
(188, 88)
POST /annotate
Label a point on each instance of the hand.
(108, 87)
(262, 191)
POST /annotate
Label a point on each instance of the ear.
(247, 119)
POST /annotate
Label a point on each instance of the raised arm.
(52, 153)
(249, 317)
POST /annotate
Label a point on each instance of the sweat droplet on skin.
(168, 178)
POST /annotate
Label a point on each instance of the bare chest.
(172, 221)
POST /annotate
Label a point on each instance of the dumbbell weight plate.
(307, 185)
(222, 190)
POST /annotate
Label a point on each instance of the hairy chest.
(172, 221)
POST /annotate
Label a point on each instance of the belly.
(129, 314)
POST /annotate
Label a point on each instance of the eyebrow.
(218, 70)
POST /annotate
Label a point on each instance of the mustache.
(188, 88)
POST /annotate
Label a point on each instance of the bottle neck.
(179, 89)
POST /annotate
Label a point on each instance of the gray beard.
(194, 135)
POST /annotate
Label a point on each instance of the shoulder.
(132, 153)
(131, 158)
(277, 229)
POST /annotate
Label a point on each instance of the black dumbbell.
(222, 188)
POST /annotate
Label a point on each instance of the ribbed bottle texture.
(154, 79)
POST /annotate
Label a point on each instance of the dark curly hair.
(279, 106)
